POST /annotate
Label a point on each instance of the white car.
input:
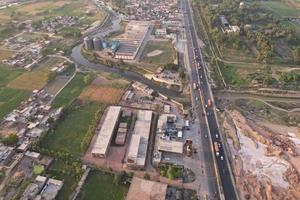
(217, 136)
(222, 158)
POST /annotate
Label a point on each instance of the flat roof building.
(50, 190)
(104, 137)
(131, 39)
(146, 190)
(170, 146)
(137, 152)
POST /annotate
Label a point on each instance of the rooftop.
(106, 131)
(170, 146)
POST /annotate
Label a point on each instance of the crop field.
(167, 53)
(6, 75)
(233, 76)
(10, 99)
(105, 95)
(71, 91)
(34, 80)
(281, 9)
(72, 128)
(104, 90)
(100, 185)
(37, 78)
(5, 54)
(38, 7)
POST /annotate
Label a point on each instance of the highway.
(198, 77)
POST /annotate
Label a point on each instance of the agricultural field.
(235, 76)
(105, 90)
(37, 78)
(6, 75)
(158, 53)
(10, 99)
(47, 9)
(99, 185)
(72, 90)
(5, 54)
(72, 128)
(283, 8)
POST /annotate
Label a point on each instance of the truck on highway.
(195, 86)
(216, 147)
(209, 103)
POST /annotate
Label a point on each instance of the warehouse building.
(131, 40)
(137, 152)
(105, 134)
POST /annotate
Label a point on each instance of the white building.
(104, 137)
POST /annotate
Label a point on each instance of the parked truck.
(189, 147)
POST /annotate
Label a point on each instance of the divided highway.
(200, 79)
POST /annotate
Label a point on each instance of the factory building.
(137, 151)
(88, 43)
(131, 40)
(105, 134)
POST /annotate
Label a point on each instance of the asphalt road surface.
(199, 78)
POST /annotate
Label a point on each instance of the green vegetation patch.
(38, 169)
(6, 75)
(10, 99)
(72, 129)
(280, 8)
(72, 90)
(100, 185)
(231, 76)
(171, 171)
(68, 171)
(158, 53)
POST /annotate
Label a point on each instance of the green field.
(6, 75)
(71, 91)
(281, 9)
(11, 99)
(167, 55)
(72, 128)
(100, 186)
(232, 76)
(45, 9)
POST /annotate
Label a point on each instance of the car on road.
(217, 136)
(222, 158)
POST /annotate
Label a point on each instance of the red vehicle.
(216, 146)
(209, 103)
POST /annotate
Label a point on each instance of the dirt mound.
(261, 165)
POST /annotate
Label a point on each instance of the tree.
(296, 55)
(171, 172)
(11, 139)
(117, 179)
(171, 67)
(146, 176)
